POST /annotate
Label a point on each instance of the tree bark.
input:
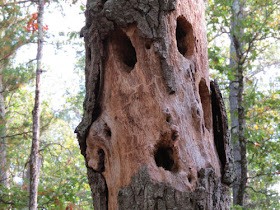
(34, 156)
(236, 103)
(4, 169)
(154, 135)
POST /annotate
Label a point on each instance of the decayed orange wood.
(141, 124)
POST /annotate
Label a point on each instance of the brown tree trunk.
(149, 134)
(34, 156)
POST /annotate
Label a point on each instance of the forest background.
(63, 181)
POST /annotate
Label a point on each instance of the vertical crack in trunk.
(221, 134)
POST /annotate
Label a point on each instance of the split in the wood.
(101, 165)
(88, 53)
(221, 134)
(205, 101)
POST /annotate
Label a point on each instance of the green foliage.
(263, 134)
(260, 53)
(63, 179)
(63, 183)
(13, 35)
(15, 77)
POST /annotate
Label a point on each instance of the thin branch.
(222, 31)
(262, 67)
(17, 134)
(18, 2)
(50, 144)
(260, 174)
(261, 191)
(255, 37)
(7, 202)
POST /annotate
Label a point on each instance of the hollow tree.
(154, 131)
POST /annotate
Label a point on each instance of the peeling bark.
(147, 121)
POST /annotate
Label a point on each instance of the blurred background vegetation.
(63, 182)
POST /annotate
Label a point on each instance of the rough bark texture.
(144, 193)
(147, 131)
(34, 156)
(236, 103)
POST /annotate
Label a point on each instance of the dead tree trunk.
(149, 134)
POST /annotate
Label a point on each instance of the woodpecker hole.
(184, 37)
(168, 118)
(107, 130)
(164, 157)
(148, 45)
(124, 49)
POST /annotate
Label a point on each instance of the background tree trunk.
(236, 103)
(3, 144)
(34, 156)
(149, 134)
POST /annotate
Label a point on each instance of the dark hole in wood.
(174, 135)
(197, 112)
(101, 155)
(218, 125)
(125, 50)
(184, 37)
(205, 101)
(88, 54)
(148, 45)
(107, 130)
(189, 179)
(100, 5)
(202, 128)
(164, 157)
(168, 118)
